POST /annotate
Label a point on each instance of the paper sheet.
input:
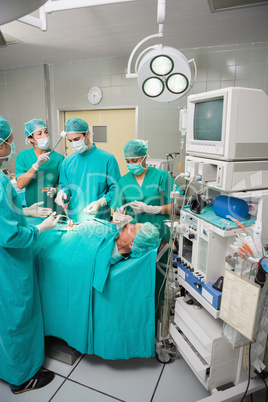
(239, 303)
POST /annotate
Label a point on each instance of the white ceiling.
(115, 29)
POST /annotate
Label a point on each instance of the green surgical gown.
(87, 177)
(21, 322)
(46, 176)
(155, 190)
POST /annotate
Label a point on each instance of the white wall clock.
(94, 95)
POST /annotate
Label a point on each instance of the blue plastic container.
(224, 205)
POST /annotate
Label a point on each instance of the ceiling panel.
(115, 29)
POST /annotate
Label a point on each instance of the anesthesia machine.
(216, 294)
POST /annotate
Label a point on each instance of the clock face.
(94, 95)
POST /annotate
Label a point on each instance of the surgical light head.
(5, 130)
(136, 149)
(164, 74)
(33, 125)
(76, 125)
(147, 238)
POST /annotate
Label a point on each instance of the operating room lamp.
(19, 10)
(163, 73)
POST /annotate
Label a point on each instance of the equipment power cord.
(249, 359)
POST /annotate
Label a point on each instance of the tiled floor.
(92, 379)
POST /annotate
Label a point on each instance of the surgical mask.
(136, 168)
(12, 153)
(43, 143)
(79, 146)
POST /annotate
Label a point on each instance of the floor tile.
(94, 379)
(71, 391)
(130, 380)
(41, 395)
(178, 383)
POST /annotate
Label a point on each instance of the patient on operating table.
(135, 240)
(132, 239)
(76, 267)
(95, 244)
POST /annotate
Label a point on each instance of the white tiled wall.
(22, 97)
(22, 94)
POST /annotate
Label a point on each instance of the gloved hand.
(43, 158)
(94, 206)
(121, 220)
(51, 192)
(48, 223)
(37, 212)
(140, 207)
(61, 196)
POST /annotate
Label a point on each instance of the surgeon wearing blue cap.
(88, 177)
(145, 189)
(21, 322)
(38, 169)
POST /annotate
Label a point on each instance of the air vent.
(224, 5)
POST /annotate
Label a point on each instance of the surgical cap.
(33, 125)
(76, 125)
(5, 130)
(146, 239)
(135, 148)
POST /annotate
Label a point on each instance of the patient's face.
(129, 232)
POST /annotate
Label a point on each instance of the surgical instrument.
(70, 222)
(62, 135)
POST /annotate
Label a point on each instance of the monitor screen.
(208, 120)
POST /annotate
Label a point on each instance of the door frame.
(61, 112)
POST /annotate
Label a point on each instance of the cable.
(177, 177)
(168, 296)
(194, 178)
(186, 191)
(244, 358)
(249, 359)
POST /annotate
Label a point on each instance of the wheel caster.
(163, 356)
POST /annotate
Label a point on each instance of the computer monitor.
(228, 124)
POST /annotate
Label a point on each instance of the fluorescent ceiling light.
(224, 5)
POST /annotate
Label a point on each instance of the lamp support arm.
(195, 72)
(62, 5)
(40, 22)
(161, 15)
(134, 75)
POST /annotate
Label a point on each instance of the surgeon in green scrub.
(21, 322)
(37, 170)
(88, 177)
(147, 189)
